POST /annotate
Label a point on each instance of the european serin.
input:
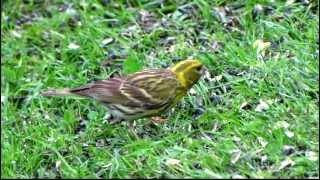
(141, 94)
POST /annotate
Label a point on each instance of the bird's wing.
(106, 91)
(149, 89)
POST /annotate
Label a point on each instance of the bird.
(145, 93)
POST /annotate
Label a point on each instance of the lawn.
(254, 114)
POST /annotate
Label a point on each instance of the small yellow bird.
(141, 94)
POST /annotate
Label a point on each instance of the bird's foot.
(132, 130)
(157, 120)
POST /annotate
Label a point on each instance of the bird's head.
(188, 72)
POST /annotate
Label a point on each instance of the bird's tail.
(57, 92)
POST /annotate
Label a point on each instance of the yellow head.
(188, 72)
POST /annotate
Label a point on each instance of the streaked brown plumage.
(140, 94)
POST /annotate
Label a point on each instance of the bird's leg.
(157, 120)
(132, 129)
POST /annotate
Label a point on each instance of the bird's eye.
(199, 68)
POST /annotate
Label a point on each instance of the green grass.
(40, 136)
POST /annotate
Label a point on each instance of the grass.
(66, 137)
